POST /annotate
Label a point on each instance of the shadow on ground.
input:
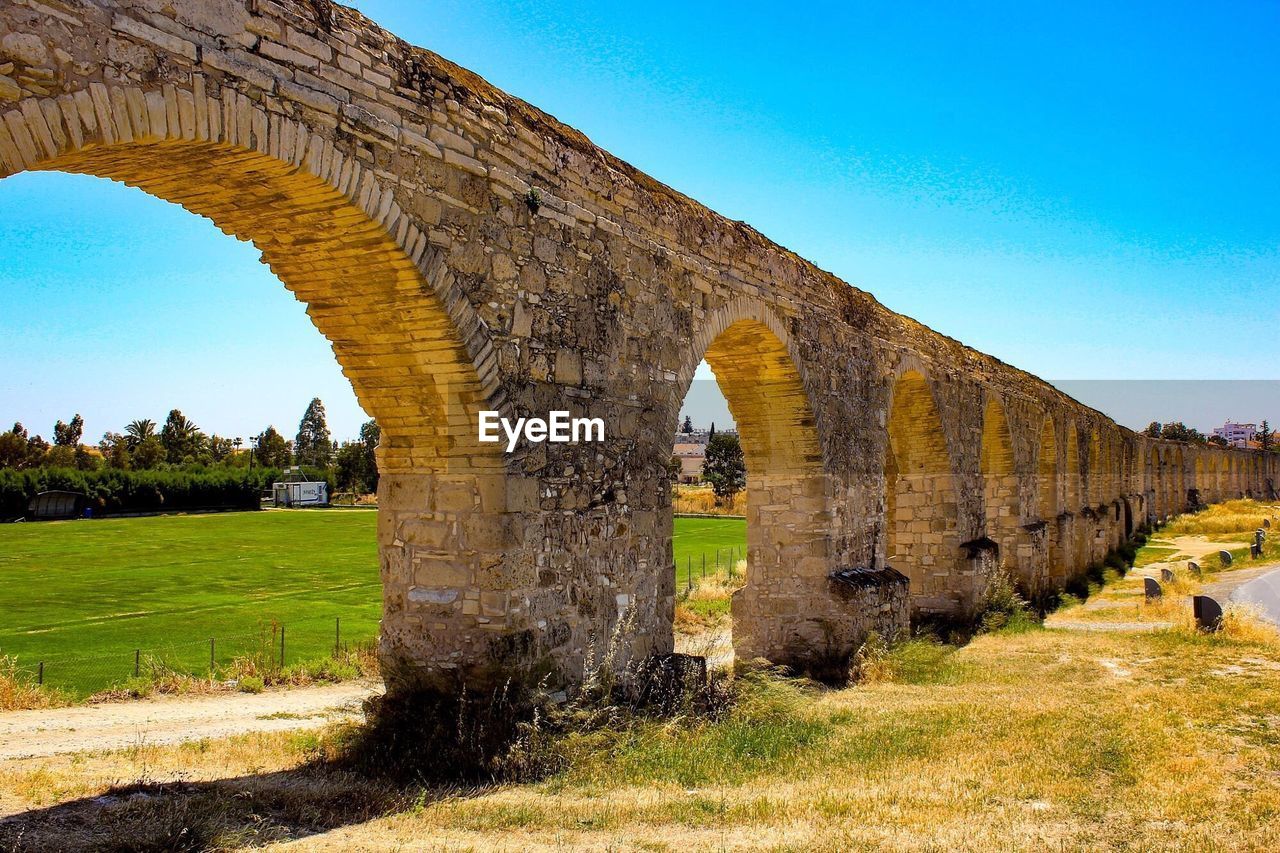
(184, 816)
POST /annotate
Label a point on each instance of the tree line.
(180, 445)
(1178, 431)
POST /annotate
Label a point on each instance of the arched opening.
(1159, 505)
(1096, 470)
(1198, 481)
(921, 538)
(1179, 481)
(1073, 469)
(1047, 473)
(399, 328)
(778, 612)
(1047, 504)
(1000, 487)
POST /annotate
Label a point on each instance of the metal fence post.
(137, 662)
(282, 647)
(40, 674)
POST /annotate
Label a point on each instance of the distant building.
(1237, 435)
(691, 455)
(691, 449)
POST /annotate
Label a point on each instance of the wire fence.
(272, 647)
(697, 568)
(270, 650)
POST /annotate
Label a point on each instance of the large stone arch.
(1003, 516)
(337, 236)
(784, 608)
(1095, 470)
(1048, 502)
(1071, 474)
(921, 520)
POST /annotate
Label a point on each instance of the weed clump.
(1002, 608)
(19, 692)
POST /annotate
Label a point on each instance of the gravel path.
(173, 719)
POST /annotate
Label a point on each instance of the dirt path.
(1196, 548)
(172, 719)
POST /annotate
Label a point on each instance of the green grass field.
(712, 538)
(82, 596)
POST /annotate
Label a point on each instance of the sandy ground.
(172, 719)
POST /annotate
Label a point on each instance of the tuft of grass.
(1244, 623)
(706, 606)
(1002, 608)
(20, 692)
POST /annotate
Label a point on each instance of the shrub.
(251, 684)
(111, 490)
(1002, 608)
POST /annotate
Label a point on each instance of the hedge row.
(111, 490)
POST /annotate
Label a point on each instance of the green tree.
(1178, 431)
(357, 462)
(68, 435)
(687, 426)
(313, 445)
(1152, 430)
(115, 451)
(723, 467)
(139, 431)
(272, 450)
(182, 439)
(15, 448)
(148, 453)
(1264, 436)
(1218, 440)
(59, 456)
(220, 449)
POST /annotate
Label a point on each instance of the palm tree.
(139, 431)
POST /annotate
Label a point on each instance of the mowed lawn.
(696, 538)
(83, 596)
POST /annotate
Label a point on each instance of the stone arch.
(922, 537)
(1047, 505)
(1158, 503)
(1179, 481)
(1047, 472)
(1095, 470)
(788, 523)
(326, 226)
(1000, 484)
(1198, 475)
(1072, 473)
(332, 230)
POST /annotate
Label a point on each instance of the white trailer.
(300, 494)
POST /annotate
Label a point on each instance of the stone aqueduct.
(463, 251)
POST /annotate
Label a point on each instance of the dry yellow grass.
(1065, 740)
(1236, 516)
(17, 692)
(1112, 740)
(701, 500)
(706, 606)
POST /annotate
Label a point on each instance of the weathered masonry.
(463, 251)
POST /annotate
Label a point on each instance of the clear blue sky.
(1087, 191)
